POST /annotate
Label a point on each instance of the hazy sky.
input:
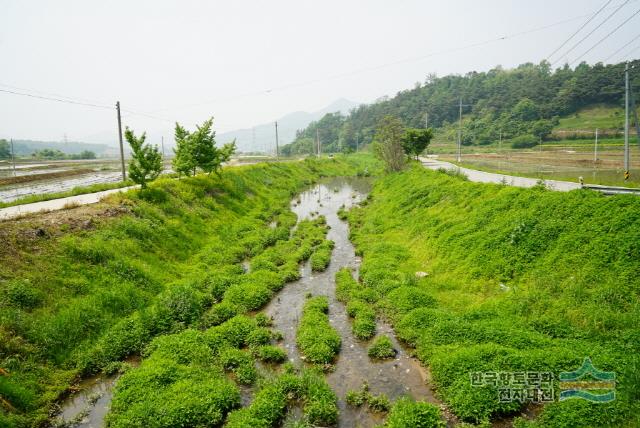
(188, 60)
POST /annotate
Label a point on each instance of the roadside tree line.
(194, 151)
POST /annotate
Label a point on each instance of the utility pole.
(595, 150)
(626, 122)
(460, 132)
(356, 142)
(277, 148)
(124, 173)
(13, 159)
(318, 141)
(162, 144)
(426, 120)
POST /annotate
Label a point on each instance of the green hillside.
(524, 105)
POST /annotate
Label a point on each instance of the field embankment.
(488, 278)
(80, 295)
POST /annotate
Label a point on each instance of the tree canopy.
(198, 150)
(146, 160)
(499, 101)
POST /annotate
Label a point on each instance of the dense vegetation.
(525, 102)
(79, 297)
(318, 341)
(52, 154)
(518, 280)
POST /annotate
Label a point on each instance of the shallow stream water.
(400, 376)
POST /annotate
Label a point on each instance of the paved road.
(489, 177)
(57, 204)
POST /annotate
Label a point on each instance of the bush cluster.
(318, 341)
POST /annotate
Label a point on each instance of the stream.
(396, 377)
(402, 375)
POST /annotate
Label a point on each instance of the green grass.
(359, 301)
(520, 280)
(408, 413)
(381, 348)
(599, 116)
(317, 340)
(76, 300)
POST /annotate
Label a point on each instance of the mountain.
(262, 137)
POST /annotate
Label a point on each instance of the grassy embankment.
(78, 300)
(519, 280)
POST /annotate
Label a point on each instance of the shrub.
(524, 142)
(404, 299)
(381, 348)
(318, 341)
(22, 295)
(240, 363)
(218, 314)
(183, 303)
(408, 413)
(271, 354)
(321, 256)
(248, 297)
(364, 323)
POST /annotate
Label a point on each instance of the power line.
(24, 94)
(579, 29)
(627, 44)
(385, 65)
(606, 37)
(591, 32)
(56, 95)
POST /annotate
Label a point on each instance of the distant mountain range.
(261, 138)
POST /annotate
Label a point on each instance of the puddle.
(87, 407)
(401, 376)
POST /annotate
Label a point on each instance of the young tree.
(146, 161)
(387, 144)
(198, 150)
(416, 140)
(184, 161)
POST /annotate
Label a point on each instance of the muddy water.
(401, 376)
(88, 407)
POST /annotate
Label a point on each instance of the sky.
(250, 62)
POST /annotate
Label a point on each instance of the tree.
(184, 161)
(542, 129)
(5, 149)
(146, 161)
(416, 140)
(198, 150)
(387, 144)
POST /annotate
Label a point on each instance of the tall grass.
(519, 280)
(74, 302)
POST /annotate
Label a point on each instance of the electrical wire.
(627, 44)
(591, 32)
(381, 66)
(24, 94)
(605, 37)
(579, 29)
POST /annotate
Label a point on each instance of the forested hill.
(525, 101)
